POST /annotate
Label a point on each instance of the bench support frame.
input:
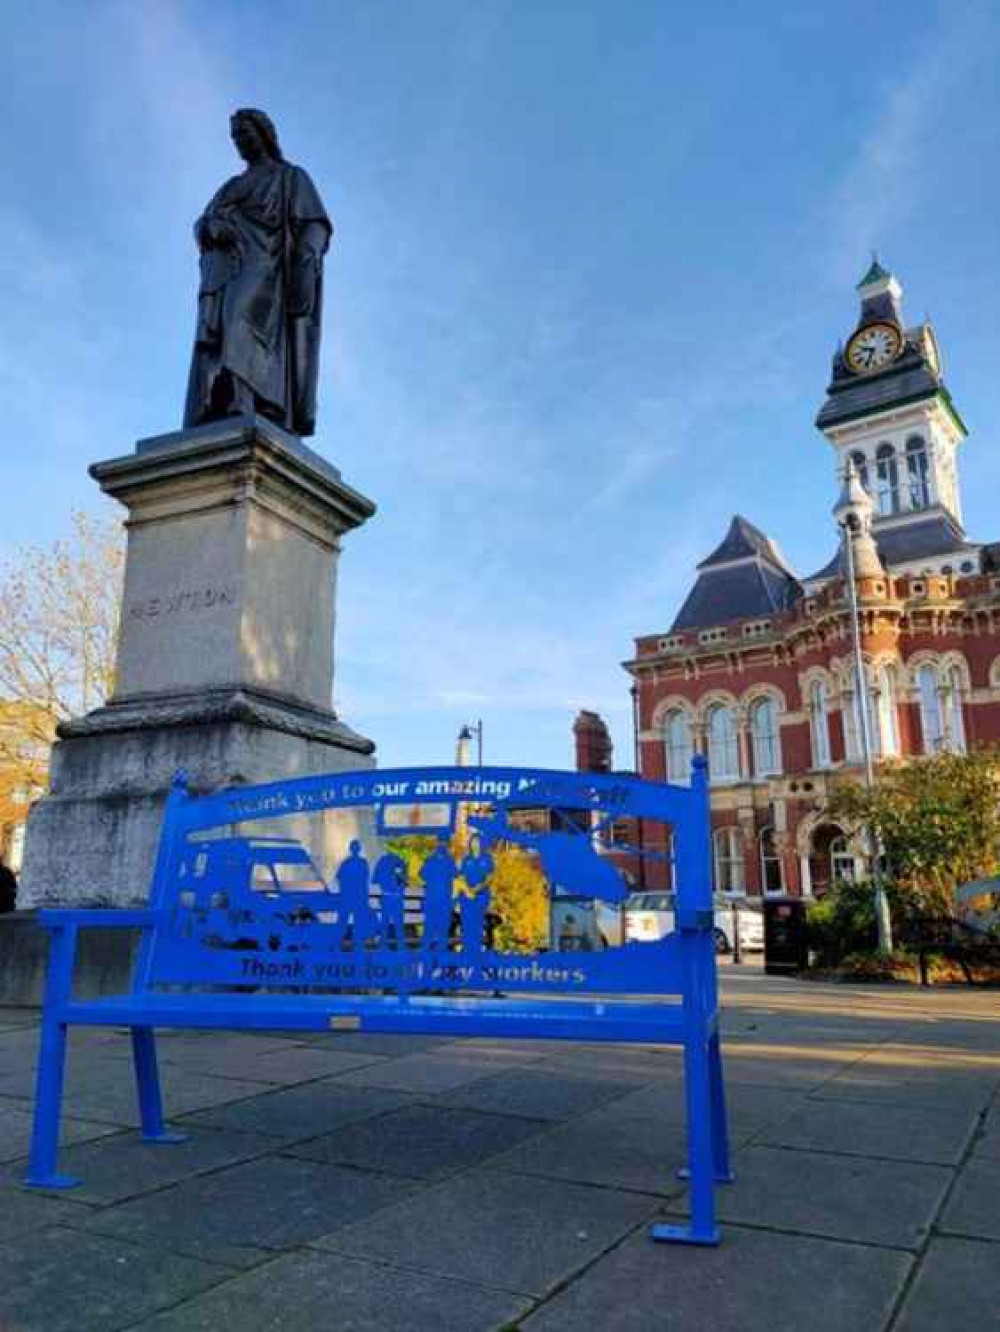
(689, 972)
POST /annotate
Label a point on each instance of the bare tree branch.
(59, 609)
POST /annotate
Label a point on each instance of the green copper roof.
(876, 273)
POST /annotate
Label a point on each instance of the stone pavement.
(361, 1182)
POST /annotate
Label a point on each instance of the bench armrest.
(105, 917)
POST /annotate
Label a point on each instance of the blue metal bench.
(245, 932)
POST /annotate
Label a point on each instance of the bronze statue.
(262, 240)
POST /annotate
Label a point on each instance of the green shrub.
(842, 922)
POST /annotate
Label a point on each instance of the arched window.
(723, 747)
(818, 725)
(953, 711)
(677, 733)
(850, 714)
(916, 472)
(727, 844)
(841, 860)
(766, 740)
(887, 479)
(886, 726)
(861, 467)
(772, 874)
(931, 719)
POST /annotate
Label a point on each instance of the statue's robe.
(252, 351)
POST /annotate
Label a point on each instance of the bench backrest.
(247, 897)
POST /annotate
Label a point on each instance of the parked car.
(650, 916)
(749, 914)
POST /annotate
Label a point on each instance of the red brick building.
(756, 669)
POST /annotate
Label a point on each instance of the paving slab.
(751, 1107)
(536, 1093)
(804, 1066)
(23, 1210)
(292, 1113)
(16, 1118)
(325, 1290)
(502, 1231)
(282, 1065)
(754, 1282)
(18, 1017)
(988, 1141)
(640, 1154)
(639, 1063)
(388, 1044)
(61, 1280)
(421, 1074)
(850, 1198)
(957, 1286)
(238, 1214)
(919, 1076)
(101, 1088)
(898, 1133)
(420, 1141)
(974, 1206)
(113, 1169)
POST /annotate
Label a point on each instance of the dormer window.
(887, 478)
(916, 472)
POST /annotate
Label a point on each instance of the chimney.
(593, 743)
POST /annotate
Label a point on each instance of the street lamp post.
(467, 732)
(853, 503)
(637, 760)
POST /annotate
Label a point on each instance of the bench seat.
(624, 1020)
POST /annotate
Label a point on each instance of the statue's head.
(254, 135)
(355, 847)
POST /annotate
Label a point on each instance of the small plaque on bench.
(348, 1022)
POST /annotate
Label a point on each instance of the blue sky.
(591, 263)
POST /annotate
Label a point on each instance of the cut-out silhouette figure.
(389, 875)
(569, 860)
(438, 873)
(354, 914)
(476, 868)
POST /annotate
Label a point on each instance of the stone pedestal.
(225, 652)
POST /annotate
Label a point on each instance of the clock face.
(873, 347)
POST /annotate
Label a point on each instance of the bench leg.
(720, 1127)
(702, 1148)
(147, 1081)
(44, 1153)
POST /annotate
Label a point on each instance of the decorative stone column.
(225, 652)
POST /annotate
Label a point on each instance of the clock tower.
(888, 412)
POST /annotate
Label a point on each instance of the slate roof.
(933, 536)
(910, 380)
(744, 540)
(743, 578)
(876, 273)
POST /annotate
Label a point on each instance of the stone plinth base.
(104, 960)
(93, 840)
(225, 653)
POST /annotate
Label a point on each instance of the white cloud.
(891, 170)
